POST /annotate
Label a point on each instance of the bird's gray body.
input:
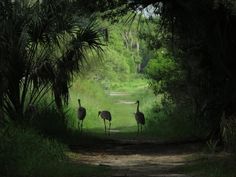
(140, 119)
(139, 116)
(81, 114)
(106, 115)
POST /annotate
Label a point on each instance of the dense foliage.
(200, 36)
(25, 153)
(122, 55)
(187, 51)
(43, 44)
(202, 42)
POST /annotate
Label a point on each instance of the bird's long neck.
(79, 104)
(137, 107)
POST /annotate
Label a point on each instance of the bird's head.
(79, 100)
(137, 102)
(99, 112)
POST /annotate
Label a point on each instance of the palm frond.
(42, 45)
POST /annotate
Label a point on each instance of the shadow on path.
(136, 157)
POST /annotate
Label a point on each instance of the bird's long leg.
(109, 128)
(81, 126)
(105, 126)
(138, 129)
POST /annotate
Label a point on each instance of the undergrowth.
(23, 152)
(213, 165)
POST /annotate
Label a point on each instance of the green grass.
(71, 169)
(214, 165)
(171, 127)
(23, 152)
(94, 98)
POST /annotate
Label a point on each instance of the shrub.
(23, 152)
(174, 122)
(49, 122)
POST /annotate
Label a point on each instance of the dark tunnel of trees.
(200, 35)
(44, 44)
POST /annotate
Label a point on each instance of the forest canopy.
(171, 61)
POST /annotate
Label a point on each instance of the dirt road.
(136, 158)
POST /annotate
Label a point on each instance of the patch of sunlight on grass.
(121, 106)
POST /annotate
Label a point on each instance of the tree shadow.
(125, 143)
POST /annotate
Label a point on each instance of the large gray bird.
(81, 113)
(105, 115)
(139, 116)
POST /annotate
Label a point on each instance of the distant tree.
(201, 35)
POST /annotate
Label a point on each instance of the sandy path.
(135, 158)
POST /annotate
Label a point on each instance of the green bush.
(23, 152)
(213, 165)
(228, 130)
(51, 123)
(172, 122)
